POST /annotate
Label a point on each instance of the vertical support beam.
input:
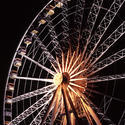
(66, 107)
(78, 120)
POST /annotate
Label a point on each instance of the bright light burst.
(71, 85)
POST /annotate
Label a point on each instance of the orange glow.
(69, 75)
(58, 78)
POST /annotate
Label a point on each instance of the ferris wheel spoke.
(65, 22)
(72, 106)
(57, 106)
(101, 115)
(43, 90)
(103, 26)
(67, 60)
(76, 74)
(89, 109)
(94, 11)
(70, 68)
(122, 118)
(35, 79)
(92, 113)
(59, 66)
(108, 43)
(54, 41)
(50, 105)
(78, 79)
(86, 111)
(77, 68)
(79, 17)
(106, 62)
(38, 119)
(86, 104)
(105, 78)
(103, 94)
(63, 65)
(40, 103)
(73, 84)
(48, 54)
(43, 67)
(70, 62)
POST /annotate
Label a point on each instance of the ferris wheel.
(68, 68)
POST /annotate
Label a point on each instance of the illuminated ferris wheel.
(69, 66)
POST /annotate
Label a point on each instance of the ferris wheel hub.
(58, 78)
(61, 78)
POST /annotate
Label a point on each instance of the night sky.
(15, 18)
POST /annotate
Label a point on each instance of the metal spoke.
(106, 62)
(105, 78)
(57, 106)
(40, 103)
(79, 18)
(43, 90)
(94, 11)
(50, 105)
(73, 63)
(123, 115)
(35, 79)
(73, 84)
(37, 120)
(70, 62)
(43, 67)
(108, 43)
(55, 41)
(77, 79)
(77, 68)
(100, 93)
(82, 71)
(73, 108)
(48, 54)
(103, 26)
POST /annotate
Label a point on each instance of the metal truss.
(105, 78)
(47, 54)
(106, 62)
(79, 18)
(34, 93)
(91, 20)
(108, 43)
(122, 119)
(40, 103)
(93, 14)
(65, 24)
(53, 35)
(40, 65)
(38, 119)
(103, 26)
(102, 116)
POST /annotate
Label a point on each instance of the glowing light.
(69, 76)
(58, 78)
